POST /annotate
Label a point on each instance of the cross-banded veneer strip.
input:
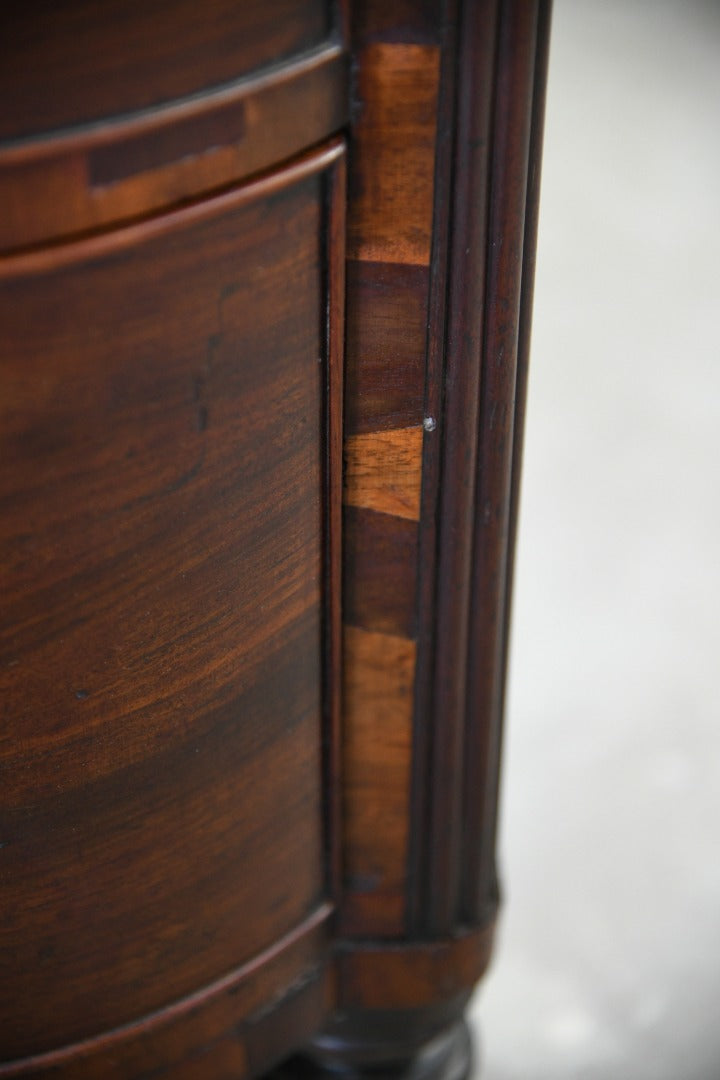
(391, 193)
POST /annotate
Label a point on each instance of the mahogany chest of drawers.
(265, 287)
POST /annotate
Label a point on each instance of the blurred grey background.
(608, 958)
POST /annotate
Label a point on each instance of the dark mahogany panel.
(163, 496)
(380, 563)
(385, 346)
(80, 61)
(105, 174)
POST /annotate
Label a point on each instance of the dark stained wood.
(94, 176)
(162, 558)
(406, 22)
(233, 825)
(190, 136)
(332, 446)
(459, 699)
(305, 1004)
(524, 40)
(379, 567)
(412, 1044)
(203, 1031)
(77, 62)
(444, 649)
(435, 407)
(465, 330)
(399, 1010)
(385, 349)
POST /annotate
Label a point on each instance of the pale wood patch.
(390, 217)
(383, 471)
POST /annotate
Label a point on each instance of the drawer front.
(110, 112)
(166, 556)
(80, 62)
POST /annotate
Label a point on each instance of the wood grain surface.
(88, 177)
(377, 693)
(251, 665)
(438, 196)
(162, 550)
(221, 1029)
(385, 346)
(379, 571)
(408, 975)
(80, 62)
(392, 179)
(390, 224)
(383, 471)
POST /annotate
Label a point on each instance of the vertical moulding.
(419, 888)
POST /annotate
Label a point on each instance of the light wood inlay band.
(389, 241)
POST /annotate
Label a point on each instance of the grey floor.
(608, 959)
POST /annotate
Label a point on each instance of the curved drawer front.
(162, 538)
(112, 111)
(80, 62)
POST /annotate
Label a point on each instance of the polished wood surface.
(415, 974)
(392, 179)
(383, 471)
(235, 1027)
(438, 322)
(163, 554)
(86, 178)
(390, 222)
(377, 740)
(259, 455)
(79, 62)
(385, 346)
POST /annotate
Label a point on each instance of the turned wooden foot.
(399, 1055)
